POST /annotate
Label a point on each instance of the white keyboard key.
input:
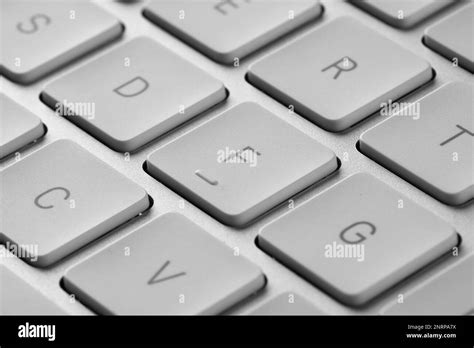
(448, 293)
(432, 149)
(173, 267)
(17, 297)
(402, 13)
(39, 37)
(19, 127)
(133, 94)
(453, 37)
(357, 239)
(339, 74)
(60, 198)
(287, 304)
(241, 164)
(228, 29)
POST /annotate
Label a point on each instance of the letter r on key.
(344, 64)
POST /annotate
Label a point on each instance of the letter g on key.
(38, 198)
(352, 233)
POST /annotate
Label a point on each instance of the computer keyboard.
(163, 89)
(264, 161)
(402, 13)
(228, 31)
(192, 271)
(445, 37)
(354, 70)
(237, 157)
(441, 140)
(39, 37)
(20, 127)
(363, 211)
(456, 281)
(70, 208)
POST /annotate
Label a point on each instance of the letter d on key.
(133, 87)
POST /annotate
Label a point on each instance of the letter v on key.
(155, 279)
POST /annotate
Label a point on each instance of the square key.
(19, 297)
(454, 284)
(433, 147)
(41, 36)
(18, 126)
(60, 198)
(169, 266)
(241, 163)
(453, 37)
(133, 94)
(287, 303)
(228, 29)
(357, 239)
(402, 13)
(339, 74)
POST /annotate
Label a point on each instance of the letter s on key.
(35, 20)
(133, 87)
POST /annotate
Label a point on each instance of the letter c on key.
(37, 199)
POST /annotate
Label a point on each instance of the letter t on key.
(463, 130)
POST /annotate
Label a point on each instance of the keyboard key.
(402, 13)
(133, 94)
(357, 239)
(169, 266)
(431, 148)
(19, 127)
(17, 297)
(229, 29)
(241, 164)
(453, 37)
(339, 74)
(455, 286)
(287, 304)
(39, 37)
(69, 196)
